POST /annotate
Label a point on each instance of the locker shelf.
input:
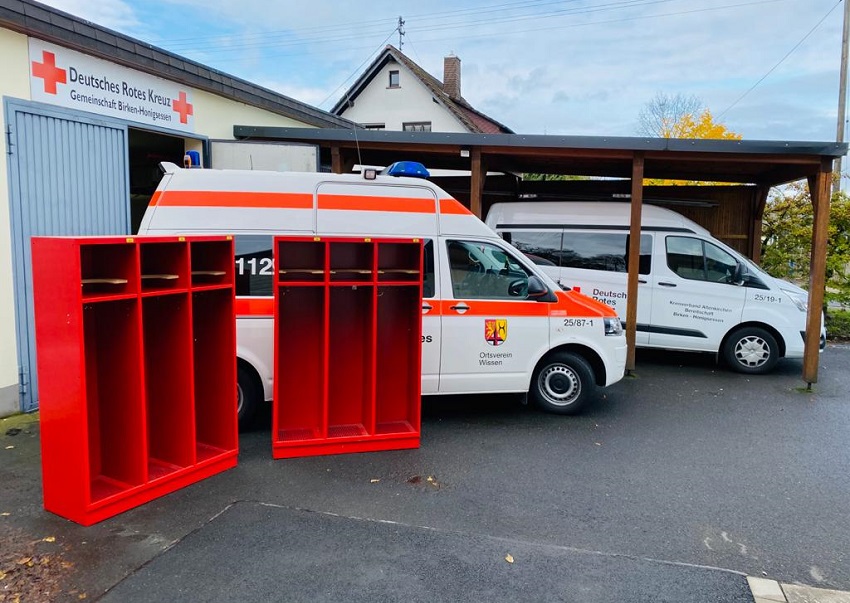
(131, 407)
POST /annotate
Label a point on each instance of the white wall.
(214, 118)
(14, 83)
(411, 101)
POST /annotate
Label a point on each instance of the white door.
(431, 322)
(696, 302)
(491, 332)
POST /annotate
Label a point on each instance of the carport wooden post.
(479, 173)
(634, 260)
(819, 187)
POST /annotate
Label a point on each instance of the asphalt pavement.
(678, 484)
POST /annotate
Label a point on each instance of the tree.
(660, 114)
(787, 238)
(680, 117)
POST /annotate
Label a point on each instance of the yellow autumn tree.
(680, 116)
(703, 126)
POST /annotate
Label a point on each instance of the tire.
(751, 350)
(563, 383)
(249, 394)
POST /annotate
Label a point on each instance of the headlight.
(802, 303)
(613, 326)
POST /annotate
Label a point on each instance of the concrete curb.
(771, 591)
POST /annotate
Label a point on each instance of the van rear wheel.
(751, 350)
(562, 383)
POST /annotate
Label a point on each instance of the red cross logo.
(49, 72)
(183, 107)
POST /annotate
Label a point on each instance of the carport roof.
(763, 162)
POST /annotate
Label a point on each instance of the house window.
(374, 126)
(416, 126)
(394, 79)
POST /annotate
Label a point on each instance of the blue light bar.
(412, 169)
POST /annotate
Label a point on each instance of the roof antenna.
(400, 32)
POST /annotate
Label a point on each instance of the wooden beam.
(479, 174)
(819, 187)
(634, 260)
(336, 159)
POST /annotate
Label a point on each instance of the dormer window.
(394, 79)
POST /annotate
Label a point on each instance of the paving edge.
(771, 591)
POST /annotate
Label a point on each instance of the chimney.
(451, 76)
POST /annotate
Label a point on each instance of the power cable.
(782, 60)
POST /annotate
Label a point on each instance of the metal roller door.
(68, 175)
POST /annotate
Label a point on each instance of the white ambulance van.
(694, 292)
(557, 345)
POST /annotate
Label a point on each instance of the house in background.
(394, 93)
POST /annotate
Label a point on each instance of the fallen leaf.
(509, 558)
(2, 575)
(9, 447)
(5, 514)
(24, 560)
(374, 481)
(82, 596)
(49, 539)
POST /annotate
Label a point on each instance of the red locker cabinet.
(136, 345)
(348, 323)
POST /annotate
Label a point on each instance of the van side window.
(699, 260)
(428, 270)
(603, 251)
(485, 271)
(541, 247)
(254, 265)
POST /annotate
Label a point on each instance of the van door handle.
(426, 307)
(666, 284)
(642, 281)
(459, 308)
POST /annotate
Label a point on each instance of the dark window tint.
(603, 251)
(254, 265)
(428, 275)
(541, 247)
(696, 259)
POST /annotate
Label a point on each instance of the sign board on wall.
(60, 76)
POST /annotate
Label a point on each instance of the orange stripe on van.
(360, 203)
(235, 199)
(258, 306)
(492, 308)
(453, 206)
(155, 199)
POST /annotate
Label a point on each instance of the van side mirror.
(537, 289)
(738, 275)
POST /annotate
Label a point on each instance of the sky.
(766, 69)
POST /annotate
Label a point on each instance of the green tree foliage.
(787, 238)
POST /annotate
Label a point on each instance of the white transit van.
(491, 320)
(694, 292)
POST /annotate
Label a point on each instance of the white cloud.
(114, 14)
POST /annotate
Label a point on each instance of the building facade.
(394, 93)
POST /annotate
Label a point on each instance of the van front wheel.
(562, 383)
(751, 350)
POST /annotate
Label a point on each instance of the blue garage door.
(68, 175)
